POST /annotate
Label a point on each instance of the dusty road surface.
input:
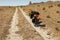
(26, 29)
(40, 32)
(14, 28)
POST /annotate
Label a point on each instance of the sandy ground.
(49, 15)
(14, 28)
(26, 30)
(6, 14)
(22, 26)
(41, 31)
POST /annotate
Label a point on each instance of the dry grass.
(26, 30)
(58, 5)
(48, 15)
(6, 14)
(50, 10)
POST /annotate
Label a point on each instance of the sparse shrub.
(9, 6)
(1, 9)
(42, 2)
(38, 5)
(34, 31)
(23, 9)
(50, 6)
(48, 33)
(20, 6)
(48, 16)
(58, 21)
(57, 11)
(58, 5)
(57, 28)
(44, 8)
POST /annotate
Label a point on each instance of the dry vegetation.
(26, 30)
(6, 14)
(49, 14)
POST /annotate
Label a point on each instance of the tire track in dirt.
(26, 30)
(42, 32)
(14, 28)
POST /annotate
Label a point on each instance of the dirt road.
(26, 29)
(21, 28)
(14, 28)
